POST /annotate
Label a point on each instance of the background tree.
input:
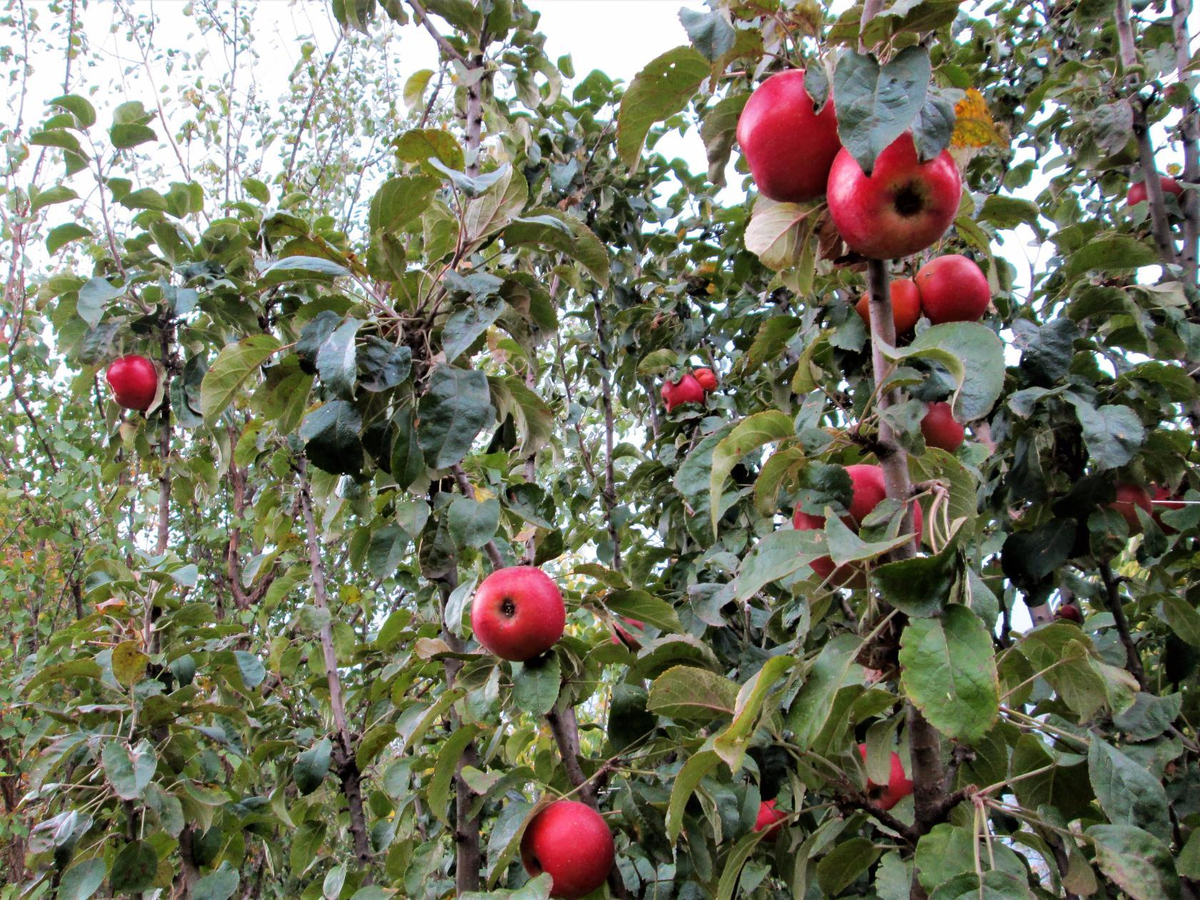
(408, 332)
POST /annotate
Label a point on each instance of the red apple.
(1130, 496)
(1137, 191)
(953, 289)
(898, 787)
(134, 381)
(906, 305)
(787, 145)
(518, 613)
(1070, 612)
(621, 636)
(902, 207)
(1164, 500)
(769, 820)
(707, 379)
(686, 390)
(573, 843)
(941, 429)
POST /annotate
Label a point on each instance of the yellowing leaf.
(974, 125)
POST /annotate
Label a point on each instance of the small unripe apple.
(621, 636)
(941, 429)
(953, 289)
(906, 305)
(518, 613)
(769, 820)
(1070, 612)
(707, 379)
(787, 145)
(1130, 496)
(572, 842)
(686, 390)
(898, 787)
(902, 207)
(134, 381)
(1137, 190)
(1164, 500)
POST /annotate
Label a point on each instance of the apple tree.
(484, 502)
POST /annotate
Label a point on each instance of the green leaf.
(414, 87)
(1009, 212)
(662, 89)
(311, 766)
(135, 868)
(843, 865)
(466, 324)
(778, 232)
(778, 555)
(250, 668)
(536, 685)
(828, 674)
(300, 268)
(548, 227)
(79, 107)
(336, 359)
(693, 771)
(81, 881)
(473, 523)
(59, 193)
(876, 105)
(731, 743)
(386, 550)
(1110, 253)
(419, 144)
(691, 694)
(62, 235)
(734, 862)
(444, 768)
(383, 365)
(94, 297)
(934, 124)
(718, 132)
(644, 607)
(1138, 862)
(408, 463)
(1113, 434)
(399, 202)
(128, 135)
(452, 412)
(129, 663)
(1181, 618)
(218, 885)
(949, 673)
(229, 372)
(60, 672)
(749, 434)
(709, 32)
(920, 586)
(379, 736)
(980, 383)
(330, 433)
(531, 415)
(1128, 793)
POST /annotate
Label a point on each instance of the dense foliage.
(410, 331)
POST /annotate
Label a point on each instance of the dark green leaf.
(452, 412)
(311, 766)
(875, 105)
(331, 438)
(135, 868)
(661, 89)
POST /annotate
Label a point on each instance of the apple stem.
(344, 754)
(1159, 225)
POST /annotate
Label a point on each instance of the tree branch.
(1189, 129)
(347, 766)
(444, 45)
(609, 494)
(1112, 599)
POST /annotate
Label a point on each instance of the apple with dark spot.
(518, 613)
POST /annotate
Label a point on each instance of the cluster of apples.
(1131, 497)
(949, 288)
(691, 387)
(518, 614)
(133, 380)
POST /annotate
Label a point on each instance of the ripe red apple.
(621, 636)
(940, 428)
(1164, 500)
(686, 390)
(134, 381)
(769, 820)
(902, 207)
(788, 147)
(898, 787)
(707, 379)
(518, 613)
(1128, 497)
(906, 305)
(953, 289)
(1070, 612)
(868, 491)
(1137, 191)
(573, 843)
